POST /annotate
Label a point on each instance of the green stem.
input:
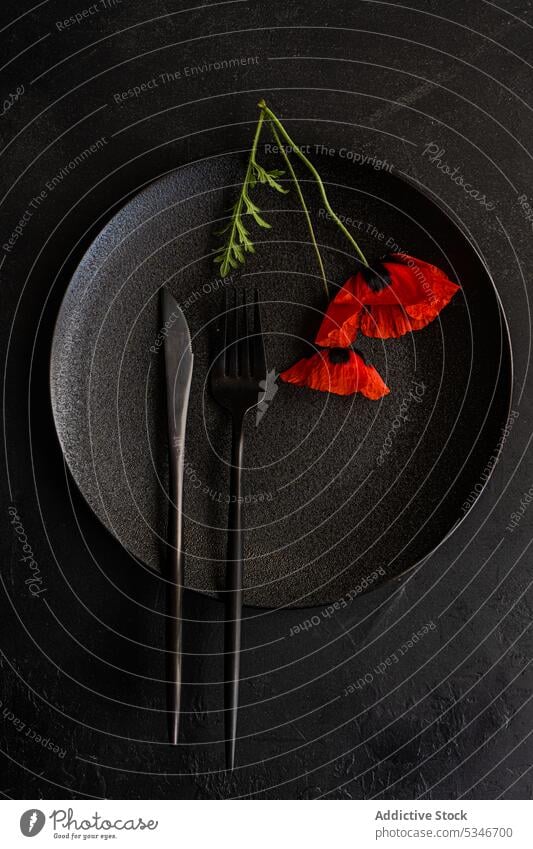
(255, 142)
(275, 120)
(251, 162)
(297, 186)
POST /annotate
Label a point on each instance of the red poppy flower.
(395, 296)
(338, 370)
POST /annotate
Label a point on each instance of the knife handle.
(175, 589)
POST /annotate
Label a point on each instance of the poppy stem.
(238, 241)
(298, 188)
(244, 188)
(277, 123)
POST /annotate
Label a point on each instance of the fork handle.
(234, 593)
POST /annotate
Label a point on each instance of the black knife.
(178, 375)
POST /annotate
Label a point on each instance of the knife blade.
(179, 361)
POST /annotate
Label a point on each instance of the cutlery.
(178, 374)
(238, 378)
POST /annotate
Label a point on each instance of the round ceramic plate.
(341, 493)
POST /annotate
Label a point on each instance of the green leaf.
(261, 221)
(239, 240)
(237, 253)
(241, 229)
(259, 173)
(250, 205)
(274, 184)
(224, 265)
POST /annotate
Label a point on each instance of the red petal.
(416, 295)
(341, 319)
(318, 372)
(385, 322)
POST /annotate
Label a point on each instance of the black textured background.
(82, 665)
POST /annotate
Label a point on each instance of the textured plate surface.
(341, 493)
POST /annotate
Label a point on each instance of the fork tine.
(258, 343)
(244, 344)
(231, 335)
(219, 363)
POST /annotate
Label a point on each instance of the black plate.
(342, 493)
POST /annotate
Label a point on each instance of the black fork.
(238, 379)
